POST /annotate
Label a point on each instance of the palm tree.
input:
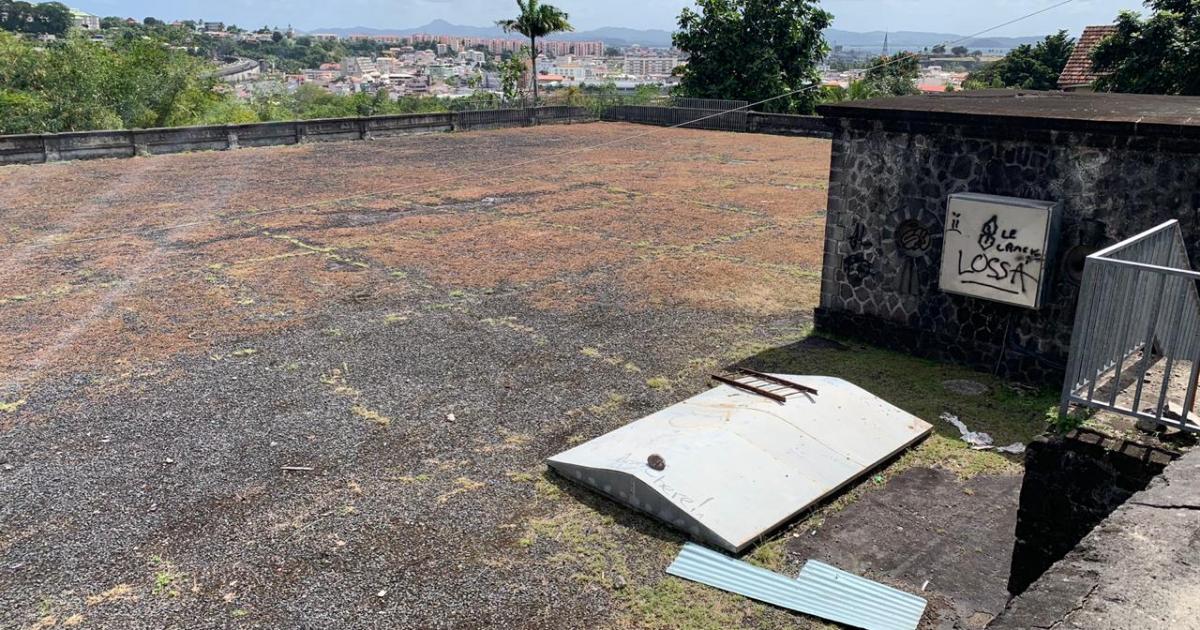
(536, 20)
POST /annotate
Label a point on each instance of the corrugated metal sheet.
(821, 590)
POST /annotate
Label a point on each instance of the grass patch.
(166, 578)
(116, 593)
(658, 382)
(370, 415)
(591, 353)
(9, 407)
(461, 485)
(915, 385)
(614, 401)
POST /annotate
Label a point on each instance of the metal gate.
(1138, 314)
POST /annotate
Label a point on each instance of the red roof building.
(1077, 75)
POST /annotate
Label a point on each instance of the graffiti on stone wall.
(860, 262)
(913, 240)
(995, 248)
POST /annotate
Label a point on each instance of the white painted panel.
(996, 248)
(738, 464)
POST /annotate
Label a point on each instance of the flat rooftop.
(315, 385)
(1115, 111)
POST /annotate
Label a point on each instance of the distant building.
(650, 66)
(1078, 75)
(214, 27)
(324, 37)
(84, 20)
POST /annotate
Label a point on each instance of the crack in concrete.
(1082, 602)
(1167, 506)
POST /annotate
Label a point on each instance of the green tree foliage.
(50, 18)
(889, 76)
(77, 84)
(753, 50)
(1027, 67)
(510, 77)
(1155, 55)
(536, 20)
(959, 51)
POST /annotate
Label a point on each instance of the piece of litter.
(924, 585)
(382, 593)
(820, 590)
(296, 468)
(450, 417)
(974, 438)
(1016, 448)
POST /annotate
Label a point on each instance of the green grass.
(915, 385)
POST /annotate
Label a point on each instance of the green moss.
(658, 382)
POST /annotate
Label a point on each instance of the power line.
(510, 166)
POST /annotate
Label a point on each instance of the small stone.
(450, 417)
(619, 582)
(1145, 425)
(382, 593)
(8, 467)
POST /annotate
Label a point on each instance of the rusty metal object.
(777, 380)
(656, 462)
(750, 388)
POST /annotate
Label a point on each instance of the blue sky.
(947, 16)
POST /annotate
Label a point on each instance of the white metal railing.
(1138, 312)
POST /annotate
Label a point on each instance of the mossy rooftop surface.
(314, 386)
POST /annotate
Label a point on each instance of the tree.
(754, 50)
(510, 77)
(536, 20)
(940, 49)
(612, 51)
(1027, 67)
(891, 76)
(959, 51)
(1155, 55)
(50, 18)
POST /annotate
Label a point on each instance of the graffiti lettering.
(1000, 262)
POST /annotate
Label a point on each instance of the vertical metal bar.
(1190, 397)
(1097, 352)
(1148, 344)
(1079, 337)
(1123, 342)
(1181, 301)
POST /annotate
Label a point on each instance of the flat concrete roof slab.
(1080, 111)
(728, 466)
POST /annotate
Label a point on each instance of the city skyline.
(855, 15)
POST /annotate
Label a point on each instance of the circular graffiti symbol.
(912, 238)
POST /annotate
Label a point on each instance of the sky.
(943, 16)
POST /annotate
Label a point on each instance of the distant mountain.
(909, 40)
(617, 36)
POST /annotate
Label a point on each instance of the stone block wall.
(890, 176)
(1072, 483)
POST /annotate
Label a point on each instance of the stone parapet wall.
(1072, 483)
(1136, 569)
(39, 148)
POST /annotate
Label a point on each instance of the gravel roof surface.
(417, 349)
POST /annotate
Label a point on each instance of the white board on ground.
(736, 465)
(996, 248)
